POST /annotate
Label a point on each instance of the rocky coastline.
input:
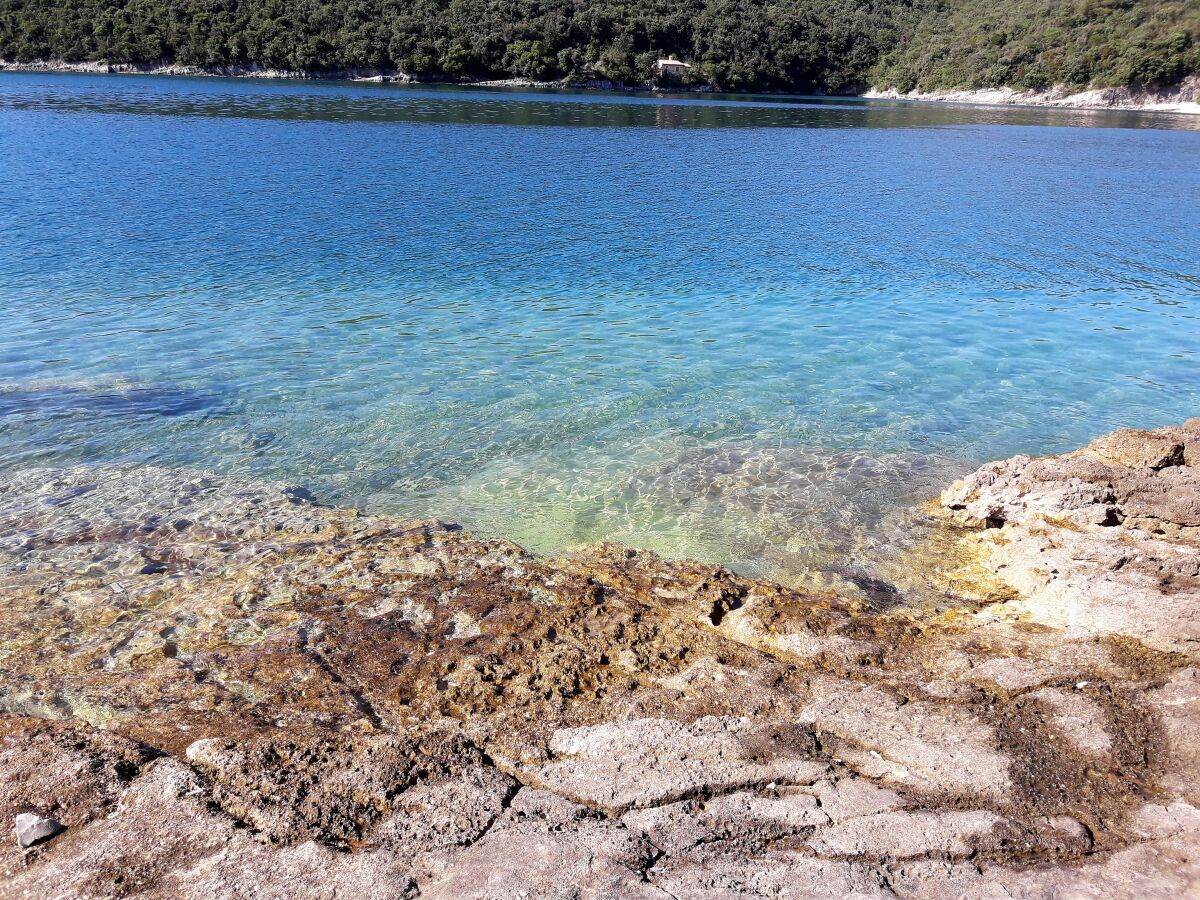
(1182, 98)
(215, 688)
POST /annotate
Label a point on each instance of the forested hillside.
(823, 45)
(1038, 43)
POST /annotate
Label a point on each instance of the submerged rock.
(837, 519)
(117, 399)
(302, 701)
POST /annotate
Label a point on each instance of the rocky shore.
(223, 689)
(377, 76)
(1181, 98)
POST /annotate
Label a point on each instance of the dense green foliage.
(1038, 43)
(826, 45)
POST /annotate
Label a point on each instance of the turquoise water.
(742, 329)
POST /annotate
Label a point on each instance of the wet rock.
(34, 829)
(318, 702)
(819, 517)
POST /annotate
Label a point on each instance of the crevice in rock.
(721, 607)
(361, 703)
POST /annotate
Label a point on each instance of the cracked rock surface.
(225, 689)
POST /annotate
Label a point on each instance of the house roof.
(674, 62)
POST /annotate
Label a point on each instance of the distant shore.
(1182, 98)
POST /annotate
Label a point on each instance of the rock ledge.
(223, 689)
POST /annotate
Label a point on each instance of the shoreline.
(224, 688)
(1183, 98)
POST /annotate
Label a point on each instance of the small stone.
(34, 829)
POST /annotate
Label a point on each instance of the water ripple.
(558, 316)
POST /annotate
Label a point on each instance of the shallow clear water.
(742, 329)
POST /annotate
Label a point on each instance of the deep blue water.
(707, 325)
